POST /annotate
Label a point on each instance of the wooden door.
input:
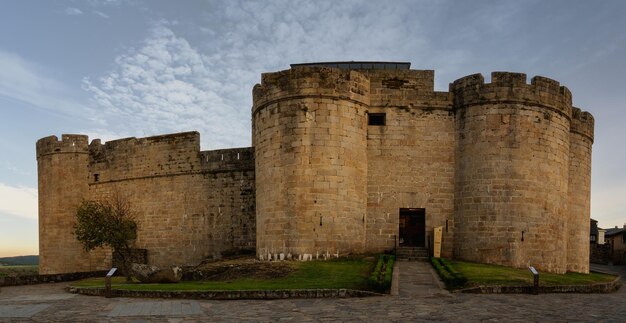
(412, 227)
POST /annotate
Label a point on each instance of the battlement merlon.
(385, 75)
(227, 159)
(420, 80)
(77, 144)
(582, 123)
(319, 82)
(190, 137)
(161, 145)
(506, 87)
(406, 88)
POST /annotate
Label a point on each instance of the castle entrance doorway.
(412, 227)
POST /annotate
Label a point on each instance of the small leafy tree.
(107, 223)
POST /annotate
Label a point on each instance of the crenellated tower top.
(582, 123)
(508, 87)
(303, 81)
(67, 144)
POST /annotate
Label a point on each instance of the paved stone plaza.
(419, 299)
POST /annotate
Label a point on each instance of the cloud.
(252, 38)
(283, 31)
(170, 83)
(166, 86)
(26, 82)
(11, 167)
(101, 14)
(101, 3)
(70, 11)
(19, 201)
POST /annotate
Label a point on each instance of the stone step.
(412, 253)
(413, 258)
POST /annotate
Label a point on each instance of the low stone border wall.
(229, 295)
(50, 278)
(582, 289)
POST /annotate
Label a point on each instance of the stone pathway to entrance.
(417, 280)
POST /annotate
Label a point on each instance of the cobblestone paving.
(157, 308)
(43, 298)
(44, 306)
(7, 311)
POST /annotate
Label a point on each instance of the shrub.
(459, 277)
(389, 272)
(382, 275)
(450, 276)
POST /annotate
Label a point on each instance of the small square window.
(376, 119)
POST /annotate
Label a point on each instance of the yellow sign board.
(437, 242)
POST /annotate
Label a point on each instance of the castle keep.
(347, 158)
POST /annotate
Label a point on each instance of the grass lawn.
(484, 275)
(338, 273)
(19, 270)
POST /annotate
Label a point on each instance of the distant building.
(593, 228)
(601, 236)
(599, 252)
(616, 239)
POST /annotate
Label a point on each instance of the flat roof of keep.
(360, 65)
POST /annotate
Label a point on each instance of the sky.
(113, 69)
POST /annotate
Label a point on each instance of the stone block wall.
(411, 158)
(189, 205)
(310, 142)
(599, 253)
(496, 164)
(512, 161)
(579, 194)
(62, 168)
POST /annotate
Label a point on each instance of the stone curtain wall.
(310, 143)
(411, 158)
(189, 204)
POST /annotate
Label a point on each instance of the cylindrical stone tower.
(62, 168)
(310, 140)
(581, 139)
(512, 168)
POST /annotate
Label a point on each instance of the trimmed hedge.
(450, 276)
(381, 277)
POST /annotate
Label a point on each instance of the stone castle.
(347, 158)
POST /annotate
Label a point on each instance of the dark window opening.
(96, 177)
(376, 119)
